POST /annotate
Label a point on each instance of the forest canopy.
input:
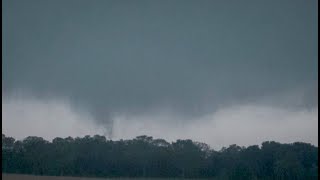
(143, 156)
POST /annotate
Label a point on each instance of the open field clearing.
(31, 177)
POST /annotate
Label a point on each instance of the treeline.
(147, 157)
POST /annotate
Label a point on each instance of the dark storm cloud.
(135, 57)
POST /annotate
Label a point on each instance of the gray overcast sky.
(141, 58)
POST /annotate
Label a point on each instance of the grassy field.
(31, 177)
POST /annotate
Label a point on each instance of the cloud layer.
(132, 58)
(245, 124)
(172, 62)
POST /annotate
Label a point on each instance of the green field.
(31, 177)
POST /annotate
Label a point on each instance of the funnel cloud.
(174, 63)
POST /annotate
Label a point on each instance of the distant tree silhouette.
(144, 156)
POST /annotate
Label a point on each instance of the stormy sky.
(217, 71)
